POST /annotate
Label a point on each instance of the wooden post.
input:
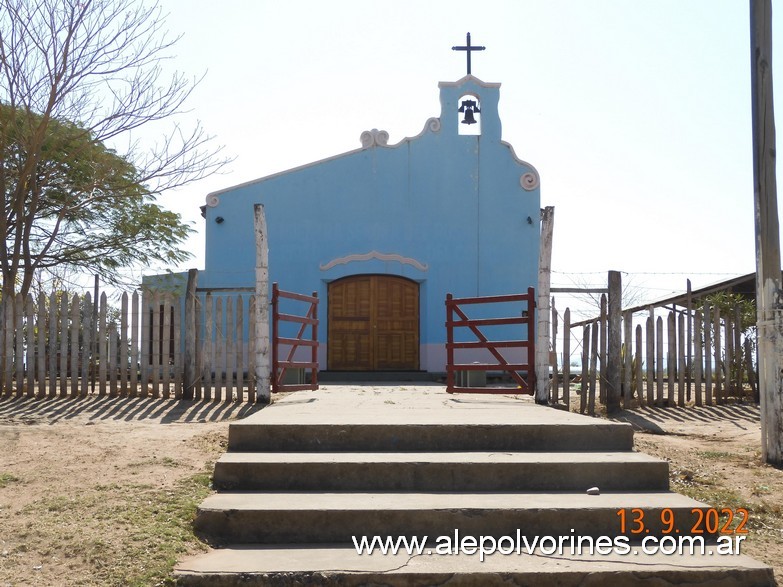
(94, 338)
(602, 330)
(593, 369)
(190, 335)
(650, 348)
(41, 366)
(707, 354)
(156, 347)
(209, 355)
(52, 346)
(19, 352)
(729, 363)
(102, 342)
(251, 349)
(740, 364)
(689, 340)
(585, 368)
(124, 342)
(768, 278)
(659, 362)
(145, 344)
(567, 358)
(220, 349)
(544, 278)
(638, 375)
(238, 335)
(75, 327)
(263, 393)
(681, 365)
(627, 360)
(671, 358)
(697, 359)
(614, 346)
(87, 330)
(30, 317)
(230, 349)
(718, 360)
(555, 381)
(165, 345)
(63, 331)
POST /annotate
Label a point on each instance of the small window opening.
(469, 116)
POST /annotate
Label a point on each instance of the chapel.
(384, 232)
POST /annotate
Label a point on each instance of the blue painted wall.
(460, 212)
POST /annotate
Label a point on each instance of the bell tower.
(469, 106)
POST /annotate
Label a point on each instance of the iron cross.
(468, 48)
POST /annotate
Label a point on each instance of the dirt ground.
(101, 492)
(714, 456)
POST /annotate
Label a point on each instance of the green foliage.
(81, 206)
(727, 302)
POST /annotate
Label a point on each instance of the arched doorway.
(373, 324)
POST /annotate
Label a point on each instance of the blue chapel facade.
(382, 233)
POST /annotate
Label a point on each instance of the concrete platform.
(422, 418)
(252, 565)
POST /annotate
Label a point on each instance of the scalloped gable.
(449, 95)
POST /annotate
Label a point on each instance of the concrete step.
(317, 517)
(249, 437)
(256, 565)
(441, 471)
(426, 420)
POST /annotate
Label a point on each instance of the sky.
(636, 113)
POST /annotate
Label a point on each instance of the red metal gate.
(279, 367)
(525, 384)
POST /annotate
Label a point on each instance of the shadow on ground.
(657, 420)
(93, 408)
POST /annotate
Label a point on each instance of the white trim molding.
(374, 255)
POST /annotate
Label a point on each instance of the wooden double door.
(373, 324)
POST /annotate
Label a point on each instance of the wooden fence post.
(628, 360)
(567, 358)
(190, 335)
(124, 344)
(30, 317)
(768, 278)
(75, 327)
(659, 362)
(88, 331)
(263, 368)
(717, 371)
(697, 356)
(650, 347)
(638, 375)
(585, 368)
(593, 368)
(671, 357)
(707, 354)
(544, 277)
(682, 368)
(555, 394)
(602, 331)
(614, 346)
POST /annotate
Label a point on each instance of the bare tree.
(76, 77)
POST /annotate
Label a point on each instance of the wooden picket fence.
(67, 346)
(676, 360)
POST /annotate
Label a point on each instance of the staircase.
(305, 475)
